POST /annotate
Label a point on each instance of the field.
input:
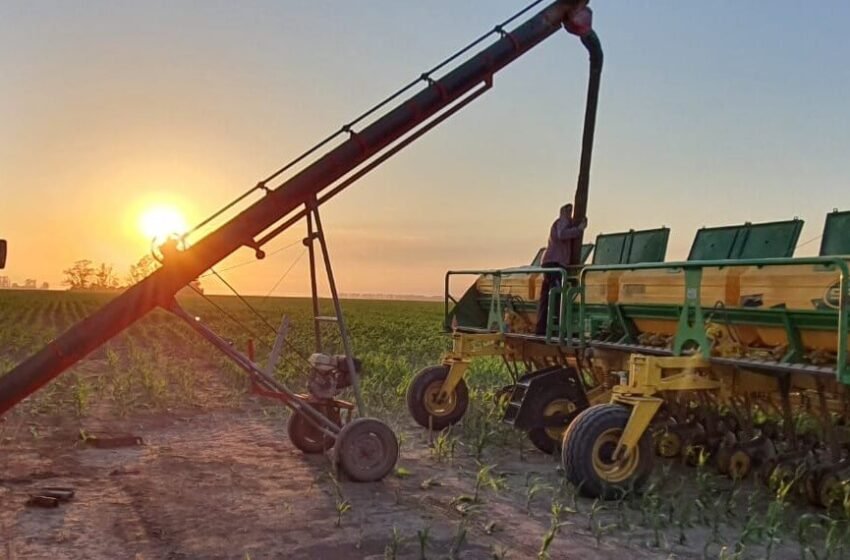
(216, 476)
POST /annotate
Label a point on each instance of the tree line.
(84, 274)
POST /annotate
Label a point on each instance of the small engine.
(329, 375)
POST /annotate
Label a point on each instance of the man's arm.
(565, 232)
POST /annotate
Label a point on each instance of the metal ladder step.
(514, 405)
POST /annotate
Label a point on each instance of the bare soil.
(228, 484)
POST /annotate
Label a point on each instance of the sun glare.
(158, 222)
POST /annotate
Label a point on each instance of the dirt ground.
(228, 484)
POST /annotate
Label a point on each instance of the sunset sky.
(711, 113)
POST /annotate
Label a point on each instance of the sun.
(158, 222)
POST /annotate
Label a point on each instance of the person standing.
(558, 254)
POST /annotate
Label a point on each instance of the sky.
(711, 113)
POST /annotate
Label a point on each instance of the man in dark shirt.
(557, 255)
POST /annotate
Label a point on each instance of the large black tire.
(305, 436)
(366, 449)
(421, 395)
(588, 445)
(548, 439)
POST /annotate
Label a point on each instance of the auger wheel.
(588, 450)
(425, 404)
(366, 450)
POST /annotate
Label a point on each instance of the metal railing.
(566, 294)
(571, 318)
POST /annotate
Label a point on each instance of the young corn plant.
(482, 437)
(837, 539)
(484, 478)
(653, 516)
(533, 489)
(774, 523)
(569, 493)
(705, 488)
(557, 511)
(458, 541)
(392, 548)
(343, 506)
(623, 522)
(424, 536)
(596, 507)
(808, 528)
(444, 446)
(83, 391)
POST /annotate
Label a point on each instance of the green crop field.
(160, 362)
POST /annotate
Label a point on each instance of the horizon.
(178, 105)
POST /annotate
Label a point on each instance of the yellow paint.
(643, 411)
(457, 369)
(667, 287)
(795, 286)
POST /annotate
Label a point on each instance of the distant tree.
(79, 276)
(105, 278)
(141, 270)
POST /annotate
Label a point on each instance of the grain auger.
(366, 448)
